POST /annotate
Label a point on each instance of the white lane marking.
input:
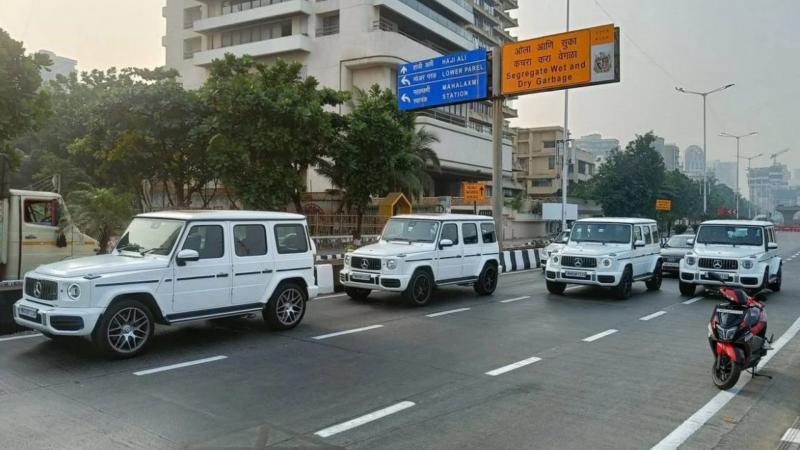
(367, 418)
(515, 299)
(573, 287)
(330, 296)
(444, 313)
(653, 316)
(179, 365)
(792, 436)
(685, 430)
(354, 330)
(599, 335)
(693, 300)
(511, 367)
(24, 336)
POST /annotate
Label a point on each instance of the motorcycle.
(737, 335)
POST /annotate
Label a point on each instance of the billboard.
(552, 211)
(561, 61)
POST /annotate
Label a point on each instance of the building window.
(549, 144)
(542, 182)
(190, 15)
(551, 162)
(330, 25)
(262, 32)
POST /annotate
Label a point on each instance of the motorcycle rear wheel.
(725, 372)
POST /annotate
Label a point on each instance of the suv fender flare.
(146, 298)
(288, 278)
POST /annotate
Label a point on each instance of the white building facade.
(61, 66)
(693, 162)
(348, 44)
(597, 145)
(669, 152)
(725, 172)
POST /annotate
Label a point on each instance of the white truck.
(35, 229)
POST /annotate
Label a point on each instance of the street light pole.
(705, 148)
(750, 200)
(564, 166)
(738, 138)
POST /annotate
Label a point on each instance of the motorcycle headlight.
(555, 259)
(74, 291)
(607, 262)
(747, 263)
(391, 264)
(690, 260)
(346, 260)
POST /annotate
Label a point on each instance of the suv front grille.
(578, 261)
(358, 262)
(41, 289)
(719, 264)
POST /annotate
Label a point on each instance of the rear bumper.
(55, 320)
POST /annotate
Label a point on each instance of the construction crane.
(750, 158)
(775, 155)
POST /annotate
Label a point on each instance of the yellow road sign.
(663, 205)
(474, 191)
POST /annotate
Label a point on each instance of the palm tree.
(422, 159)
(100, 212)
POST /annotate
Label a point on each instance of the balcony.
(294, 43)
(275, 9)
(431, 20)
(487, 11)
(459, 7)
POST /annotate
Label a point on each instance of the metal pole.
(564, 159)
(705, 160)
(749, 196)
(737, 178)
(497, 145)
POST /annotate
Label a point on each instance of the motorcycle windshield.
(728, 320)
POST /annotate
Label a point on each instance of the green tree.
(418, 181)
(23, 105)
(100, 212)
(270, 125)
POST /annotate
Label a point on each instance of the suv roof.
(473, 217)
(759, 223)
(222, 215)
(615, 220)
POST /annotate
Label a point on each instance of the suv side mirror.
(772, 245)
(565, 239)
(639, 243)
(690, 242)
(186, 255)
(445, 243)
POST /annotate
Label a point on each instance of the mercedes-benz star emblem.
(37, 289)
(717, 264)
(578, 263)
(364, 264)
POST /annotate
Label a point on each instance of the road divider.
(600, 335)
(652, 316)
(367, 418)
(342, 333)
(525, 259)
(179, 365)
(510, 367)
(444, 313)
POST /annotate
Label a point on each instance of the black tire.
(725, 372)
(687, 289)
(654, 283)
(286, 307)
(419, 289)
(124, 330)
(555, 287)
(487, 280)
(624, 289)
(776, 286)
(357, 294)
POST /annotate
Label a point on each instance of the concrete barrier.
(525, 259)
(325, 278)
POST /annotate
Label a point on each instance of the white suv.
(743, 252)
(607, 252)
(419, 252)
(172, 267)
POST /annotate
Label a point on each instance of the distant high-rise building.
(670, 152)
(768, 186)
(61, 66)
(693, 162)
(598, 146)
(724, 172)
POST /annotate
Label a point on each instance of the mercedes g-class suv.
(611, 252)
(418, 252)
(744, 253)
(171, 267)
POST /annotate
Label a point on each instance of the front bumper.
(734, 279)
(592, 277)
(373, 280)
(56, 320)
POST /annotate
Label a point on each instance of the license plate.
(27, 312)
(723, 276)
(361, 276)
(574, 274)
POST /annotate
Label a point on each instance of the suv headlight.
(690, 260)
(747, 263)
(607, 262)
(555, 259)
(391, 264)
(346, 260)
(74, 291)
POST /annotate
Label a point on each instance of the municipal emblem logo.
(602, 62)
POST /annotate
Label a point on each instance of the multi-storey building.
(766, 185)
(537, 152)
(724, 172)
(61, 66)
(348, 44)
(597, 145)
(693, 162)
(670, 153)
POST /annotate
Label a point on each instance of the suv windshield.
(151, 236)
(730, 235)
(679, 242)
(410, 230)
(614, 233)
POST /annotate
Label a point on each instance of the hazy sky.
(697, 44)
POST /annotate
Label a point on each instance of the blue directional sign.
(445, 80)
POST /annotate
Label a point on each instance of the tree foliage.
(100, 212)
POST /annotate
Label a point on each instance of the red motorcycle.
(737, 335)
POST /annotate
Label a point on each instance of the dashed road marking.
(515, 299)
(330, 296)
(693, 300)
(510, 367)
(653, 316)
(444, 313)
(340, 333)
(367, 418)
(599, 335)
(791, 436)
(23, 336)
(179, 365)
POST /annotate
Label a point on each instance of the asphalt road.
(520, 369)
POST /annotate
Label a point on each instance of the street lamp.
(750, 202)
(738, 138)
(705, 150)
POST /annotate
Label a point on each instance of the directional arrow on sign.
(403, 70)
(404, 81)
(405, 98)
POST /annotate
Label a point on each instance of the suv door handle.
(222, 275)
(30, 236)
